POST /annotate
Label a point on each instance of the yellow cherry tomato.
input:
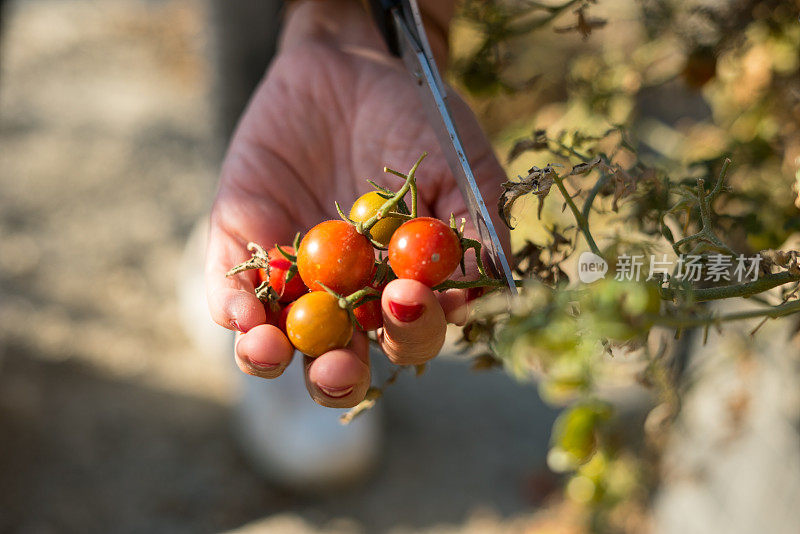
(368, 205)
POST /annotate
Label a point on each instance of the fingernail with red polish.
(235, 325)
(406, 312)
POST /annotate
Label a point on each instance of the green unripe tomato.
(575, 430)
(621, 307)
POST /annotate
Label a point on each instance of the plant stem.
(583, 224)
(747, 289)
(484, 281)
(349, 300)
(390, 204)
(587, 205)
(690, 321)
(706, 233)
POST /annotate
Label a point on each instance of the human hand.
(334, 108)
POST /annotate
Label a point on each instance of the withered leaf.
(584, 24)
(529, 263)
(539, 181)
(788, 259)
(583, 168)
(624, 185)
(537, 142)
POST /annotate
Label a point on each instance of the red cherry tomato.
(278, 267)
(424, 249)
(316, 324)
(369, 315)
(334, 254)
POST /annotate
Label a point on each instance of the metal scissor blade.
(419, 61)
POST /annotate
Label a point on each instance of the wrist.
(347, 23)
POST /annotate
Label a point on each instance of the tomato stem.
(267, 294)
(291, 257)
(344, 217)
(483, 281)
(466, 244)
(387, 207)
(259, 259)
(349, 301)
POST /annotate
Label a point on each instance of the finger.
(414, 323)
(340, 378)
(263, 351)
(457, 303)
(231, 301)
(237, 218)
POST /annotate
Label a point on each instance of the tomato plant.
(425, 249)
(333, 254)
(316, 324)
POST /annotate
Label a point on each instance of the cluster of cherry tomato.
(324, 286)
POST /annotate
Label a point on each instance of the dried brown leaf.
(583, 168)
(584, 25)
(537, 142)
(538, 182)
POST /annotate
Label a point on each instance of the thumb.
(414, 324)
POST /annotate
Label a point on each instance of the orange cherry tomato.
(334, 254)
(425, 249)
(316, 324)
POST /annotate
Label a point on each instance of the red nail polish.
(235, 325)
(406, 312)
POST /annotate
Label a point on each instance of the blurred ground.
(108, 419)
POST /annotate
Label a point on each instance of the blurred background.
(113, 121)
(112, 125)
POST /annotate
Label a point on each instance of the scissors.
(400, 23)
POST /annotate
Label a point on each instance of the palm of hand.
(322, 122)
